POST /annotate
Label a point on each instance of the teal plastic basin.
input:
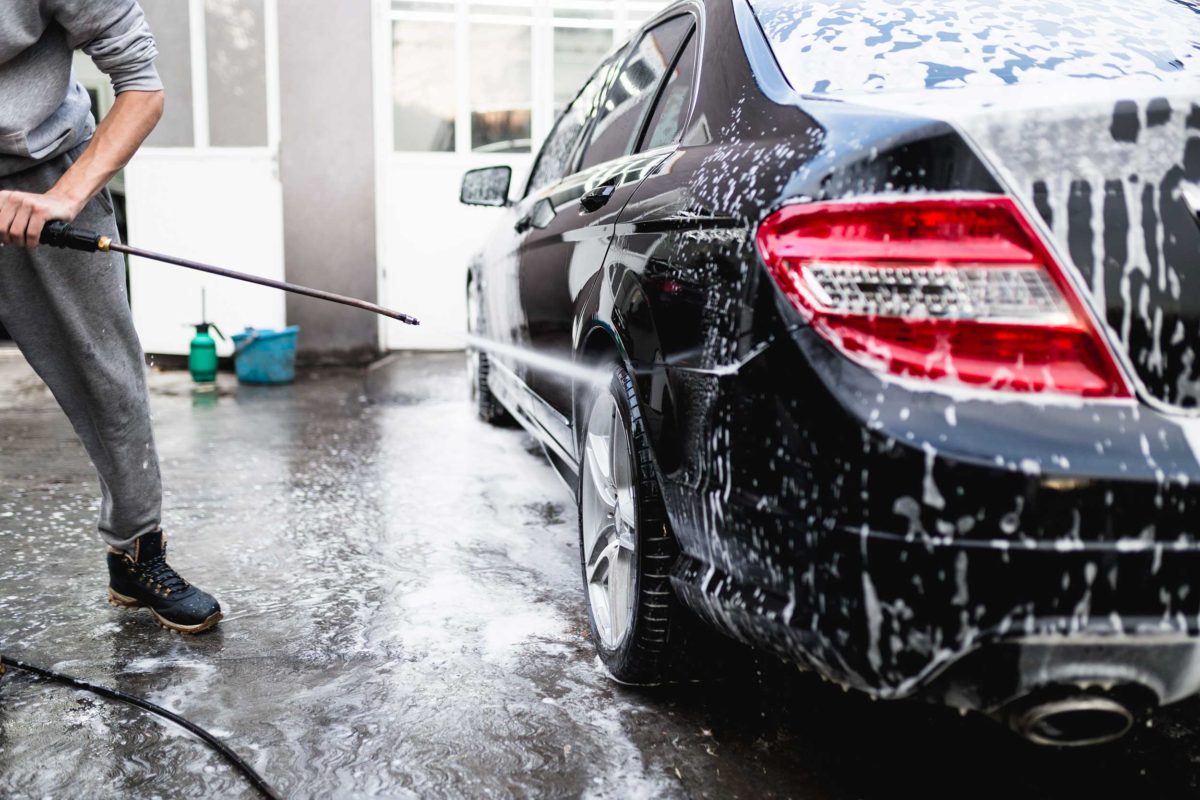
(263, 356)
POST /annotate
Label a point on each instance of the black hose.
(216, 744)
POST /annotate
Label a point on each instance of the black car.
(869, 332)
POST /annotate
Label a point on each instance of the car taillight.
(954, 289)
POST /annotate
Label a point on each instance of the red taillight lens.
(954, 289)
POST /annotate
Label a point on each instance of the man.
(68, 311)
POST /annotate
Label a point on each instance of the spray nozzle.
(202, 327)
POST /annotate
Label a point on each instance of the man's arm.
(117, 138)
(115, 35)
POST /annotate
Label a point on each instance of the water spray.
(581, 373)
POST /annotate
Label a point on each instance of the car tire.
(487, 406)
(489, 409)
(636, 643)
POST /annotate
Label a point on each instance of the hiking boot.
(143, 578)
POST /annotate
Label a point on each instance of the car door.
(661, 260)
(505, 314)
(571, 221)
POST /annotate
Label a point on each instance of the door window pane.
(501, 88)
(621, 112)
(577, 51)
(553, 161)
(437, 6)
(172, 32)
(237, 75)
(670, 113)
(583, 9)
(500, 9)
(423, 86)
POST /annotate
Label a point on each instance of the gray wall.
(328, 172)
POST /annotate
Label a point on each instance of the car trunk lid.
(1106, 171)
(1110, 178)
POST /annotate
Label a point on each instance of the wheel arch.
(598, 346)
(638, 352)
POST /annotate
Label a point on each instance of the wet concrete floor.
(405, 619)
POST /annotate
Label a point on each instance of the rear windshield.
(857, 46)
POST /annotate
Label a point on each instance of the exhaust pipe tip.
(1074, 715)
(1079, 720)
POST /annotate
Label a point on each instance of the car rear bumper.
(930, 543)
(973, 624)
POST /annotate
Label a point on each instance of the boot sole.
(119, 600)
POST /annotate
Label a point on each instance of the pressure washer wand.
(61, 234)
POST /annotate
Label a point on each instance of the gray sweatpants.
(69, 314)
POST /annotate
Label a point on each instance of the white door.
(206, 186)
(460, 86)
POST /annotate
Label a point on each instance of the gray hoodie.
(44, 111)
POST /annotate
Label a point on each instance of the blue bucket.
(265, 356)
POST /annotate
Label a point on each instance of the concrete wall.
(328, 173)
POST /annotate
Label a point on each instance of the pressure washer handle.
(57, 233)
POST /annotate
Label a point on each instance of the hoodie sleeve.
(115, 34)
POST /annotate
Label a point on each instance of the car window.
(554, 160)
(619, 118)
(671, 109)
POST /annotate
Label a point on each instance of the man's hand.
(24, 214)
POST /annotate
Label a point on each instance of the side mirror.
(486, 187)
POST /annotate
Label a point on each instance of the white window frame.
(541, 16)
(198, 44)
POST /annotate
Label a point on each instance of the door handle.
(597, 198)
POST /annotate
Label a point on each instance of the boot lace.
(160, 572)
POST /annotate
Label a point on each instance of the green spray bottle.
(202, 356)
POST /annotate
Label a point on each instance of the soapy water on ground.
(405, 619)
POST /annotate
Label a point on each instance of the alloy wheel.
(609, 516)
